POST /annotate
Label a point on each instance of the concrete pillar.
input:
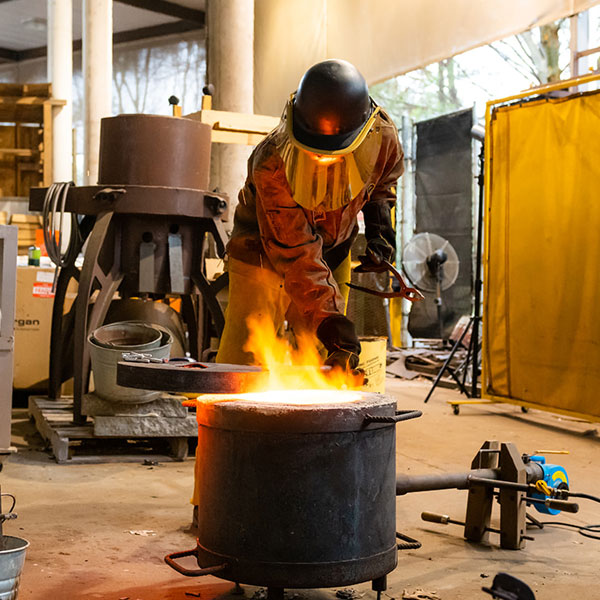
(60, 75)
(580, 41)
(230, 43)
(97, 79)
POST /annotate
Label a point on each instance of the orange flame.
(299, 367)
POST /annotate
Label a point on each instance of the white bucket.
(373, 355)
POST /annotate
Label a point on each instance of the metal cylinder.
(12, 559)
(297, 496)
(154, 150)
(443, 481)
(461, 481)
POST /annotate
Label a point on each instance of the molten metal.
(290, 397)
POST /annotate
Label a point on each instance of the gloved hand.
(378, 250)
(339, 337)
(381, 238)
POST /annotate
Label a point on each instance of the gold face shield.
(328, 179)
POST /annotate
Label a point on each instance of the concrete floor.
(79, 518)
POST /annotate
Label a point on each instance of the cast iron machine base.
(118, 222)
(145, 227)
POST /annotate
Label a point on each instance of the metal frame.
(8, 279)
(551, 87)
(110, 214)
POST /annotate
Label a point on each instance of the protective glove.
(377, 250)
(339, 337)
(381, 237)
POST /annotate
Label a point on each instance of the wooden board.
(54, 421)
(20, 159)
(236, 128)
(28, 109)
(26, 89)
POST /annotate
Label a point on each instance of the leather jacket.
(304, 246)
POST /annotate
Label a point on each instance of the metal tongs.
(410, 293)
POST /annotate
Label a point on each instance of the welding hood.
(327, 180)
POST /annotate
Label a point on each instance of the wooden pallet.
(71, 443)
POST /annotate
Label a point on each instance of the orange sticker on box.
(42, 289)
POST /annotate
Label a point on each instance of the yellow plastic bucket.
(372, 362)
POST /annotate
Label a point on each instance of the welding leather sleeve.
(377, 212)
(339, 337)
(292, 246)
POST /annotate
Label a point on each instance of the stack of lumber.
(27, 224)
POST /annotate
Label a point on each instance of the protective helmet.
(331, 106)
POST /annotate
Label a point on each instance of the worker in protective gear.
(334, 153)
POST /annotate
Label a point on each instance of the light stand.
(473, 350)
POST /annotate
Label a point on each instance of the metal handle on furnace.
(170, 560)
(401, 415)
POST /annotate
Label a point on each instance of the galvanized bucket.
(130, 336)
(12, 558)
(104, 365)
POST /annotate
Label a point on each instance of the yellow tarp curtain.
(542, 264)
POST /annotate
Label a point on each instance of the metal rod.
(474, 345)
(461, 481)
(542, 89)
(445, 520)
(535, 521)
(509, 485)
(424, 483)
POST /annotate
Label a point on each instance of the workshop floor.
(100, 531)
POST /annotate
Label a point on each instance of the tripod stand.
(472, 358)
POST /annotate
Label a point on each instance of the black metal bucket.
(297, 496)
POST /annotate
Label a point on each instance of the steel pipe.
(460, 481)
(445, 481)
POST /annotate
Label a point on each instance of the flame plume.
(299, 367)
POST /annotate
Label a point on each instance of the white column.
(97, 78)
(230, 41)
(580, 34)
(60, 75)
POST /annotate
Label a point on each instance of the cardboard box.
(33, 317)
(28, 226)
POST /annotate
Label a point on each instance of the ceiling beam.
(7, 54)
(155, 31)
(119, 37)
(170, 9)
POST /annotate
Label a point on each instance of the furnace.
(297, 487)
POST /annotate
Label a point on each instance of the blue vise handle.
(555, 476)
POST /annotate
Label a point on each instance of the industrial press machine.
(144, 230)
